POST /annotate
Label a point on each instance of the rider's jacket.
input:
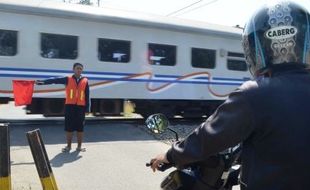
(271, 117)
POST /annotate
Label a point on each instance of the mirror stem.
(176, 134)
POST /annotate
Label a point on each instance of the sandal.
(66, 149)
(81, 149)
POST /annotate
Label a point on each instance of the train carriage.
(161, 64)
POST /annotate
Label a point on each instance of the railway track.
(93, 121)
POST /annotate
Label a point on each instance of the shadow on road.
(64, 157)
(93, 133)
(21, 163)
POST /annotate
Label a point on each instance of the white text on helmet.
(281, 32)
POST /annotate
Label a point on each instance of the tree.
(85, 2)
(82, 2)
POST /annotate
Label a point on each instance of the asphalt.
(115, 158)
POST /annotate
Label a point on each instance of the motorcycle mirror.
(157, 123)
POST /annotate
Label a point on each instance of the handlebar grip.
(161, 167)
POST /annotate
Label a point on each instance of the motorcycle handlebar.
(162, 167)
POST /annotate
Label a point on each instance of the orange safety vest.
(75, 93)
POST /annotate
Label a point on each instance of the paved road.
(115, 159)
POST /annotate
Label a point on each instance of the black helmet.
(277, 34)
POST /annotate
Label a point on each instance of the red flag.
(23, 91)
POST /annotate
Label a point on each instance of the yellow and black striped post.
(5, 161)
(41, 160)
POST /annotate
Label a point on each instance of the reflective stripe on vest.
(75, 93)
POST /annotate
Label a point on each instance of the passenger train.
(160, 64)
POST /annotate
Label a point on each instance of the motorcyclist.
(270, 115)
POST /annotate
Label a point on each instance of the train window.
(203, 58)
(160, 54)
(57, 46)
(236, 65)
(114, 50)
(8, 42)
(236, 62)
(234, 54)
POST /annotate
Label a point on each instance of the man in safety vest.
(76, 105)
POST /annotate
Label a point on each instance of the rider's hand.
(159, 159)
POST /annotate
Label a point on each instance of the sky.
(223, 12)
